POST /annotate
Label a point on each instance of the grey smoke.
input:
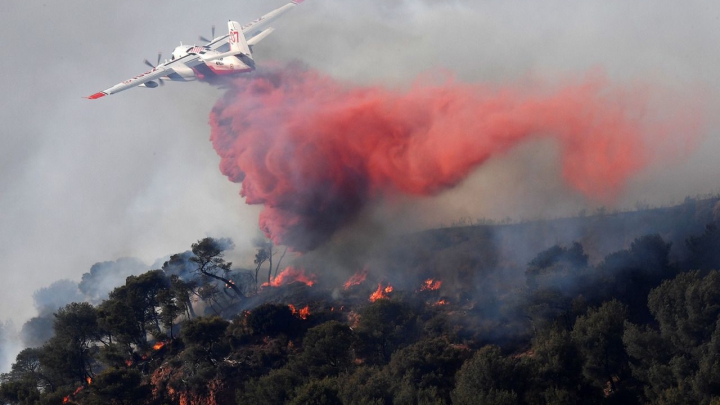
(56, 295)
(105, 276)
(133, 175)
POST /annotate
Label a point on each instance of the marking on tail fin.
(236, 39)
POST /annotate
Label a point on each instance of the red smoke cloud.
(313, 150)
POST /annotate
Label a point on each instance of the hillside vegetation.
(610, 308)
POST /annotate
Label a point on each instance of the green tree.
(557, 368)
(553, 278)
(18, 392)
(384, 327)
(203, 331)
(272, 320)
(206, 334)
(181, 291)
(135, 307)
(171, 308)
(275, 388)
(208, 255)
(679, 362)
(489, 378)
(326, 350)
(629, 275)
(598, 336)
(318, 392)
(70, 353)
(685, 307)
(425, 371)
(118, 321)
(118, 387)
(707, 379)
(26, 379)
(704, 251)
(367, 385)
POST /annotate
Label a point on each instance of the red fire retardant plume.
(313, 150)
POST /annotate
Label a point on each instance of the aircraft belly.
(228, 65)
(182, 72)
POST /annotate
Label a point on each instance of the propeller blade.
(161, 81)
(202, 38)
(213, 30)
(147, 62)
(159, 57)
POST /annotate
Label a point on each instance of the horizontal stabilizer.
(259, 37)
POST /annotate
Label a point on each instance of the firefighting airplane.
(223, 55)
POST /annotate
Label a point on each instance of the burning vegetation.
(292, 275)
(284, 344)
(381, 292)
(431, 285)
(303, 313)
(356, 279)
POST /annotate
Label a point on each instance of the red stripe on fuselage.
(96, 96)
(220, 72)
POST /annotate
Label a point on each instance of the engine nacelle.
(151, 84)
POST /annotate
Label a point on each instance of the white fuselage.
(213, 66)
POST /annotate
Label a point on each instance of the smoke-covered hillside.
(603, 308)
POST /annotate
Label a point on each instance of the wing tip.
(96, 96)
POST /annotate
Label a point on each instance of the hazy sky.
(133, 174)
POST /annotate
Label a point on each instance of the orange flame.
(381, 293)
(77, 391)
(356, 279)
(158, 346)
(303, 313)
(291, 275)
(431, 285)
(442, 302)
(128, 363)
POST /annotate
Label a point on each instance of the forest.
(608, 308)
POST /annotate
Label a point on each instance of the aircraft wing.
(143, 78)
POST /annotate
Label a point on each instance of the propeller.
(202, 38)
(147, 62)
